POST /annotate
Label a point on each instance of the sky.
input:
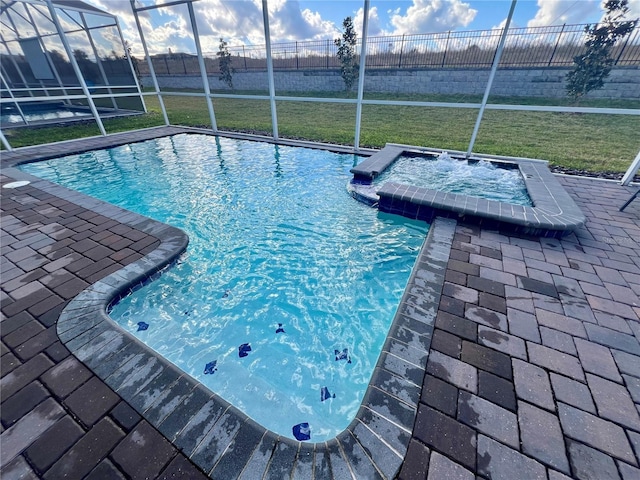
(240, 21)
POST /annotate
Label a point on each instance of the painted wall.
(623, 83)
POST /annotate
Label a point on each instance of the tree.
(593, 66)
(347, 54)
(224, 62)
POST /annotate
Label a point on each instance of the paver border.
(212, 433)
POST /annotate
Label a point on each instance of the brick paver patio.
(534, 368)
(533, 372)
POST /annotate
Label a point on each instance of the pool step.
(368, 170)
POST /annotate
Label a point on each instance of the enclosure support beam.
(4, 81)
(150, 63)
(46, 53)
(13, 60)
(17, 67)
(363, 61)
(98, 61)
(494, 67)
(628, 176)
(133, 69)
(76, 68)
(272, 88)
(203, 68)
(5, 142)
(164, 5)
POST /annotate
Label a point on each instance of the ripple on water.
(275, 242)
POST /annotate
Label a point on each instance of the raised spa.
(516, 194)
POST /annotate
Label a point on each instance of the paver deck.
(533, 368)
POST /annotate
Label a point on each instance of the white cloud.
(501, 25)
(557, 12)
(632, 14)
(375, 28)
(288, 22)
(634, 9)
(427, 16)
(239, 22)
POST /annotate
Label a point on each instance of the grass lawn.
(592, 142)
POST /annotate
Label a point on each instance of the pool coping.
(216, 436)
(553, 214)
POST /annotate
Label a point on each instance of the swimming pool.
(278, 249)
(40, 112)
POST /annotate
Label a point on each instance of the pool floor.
(279, 307)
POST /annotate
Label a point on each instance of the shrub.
(593, 66)
(224, 62)
(347, 54)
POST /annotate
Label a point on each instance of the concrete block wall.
(623, 83)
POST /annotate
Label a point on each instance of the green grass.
(592, 142)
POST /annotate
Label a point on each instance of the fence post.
(327, 54)
(446, 47)
(244, 55)
(297, 65)
(556, 46)
(401, 50)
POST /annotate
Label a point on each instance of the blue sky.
(240, 21)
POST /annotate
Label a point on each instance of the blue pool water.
(285, 295)
(477, 179)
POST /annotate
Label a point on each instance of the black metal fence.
(553, 46)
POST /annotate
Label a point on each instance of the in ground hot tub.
(546, 209)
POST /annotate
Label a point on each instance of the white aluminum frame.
(47, 8)
(95, 54)
(492, 74)
(272, 87)
(363, 61)
(76, 68)
(149, 62)
(635, 166)
(203, 70)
